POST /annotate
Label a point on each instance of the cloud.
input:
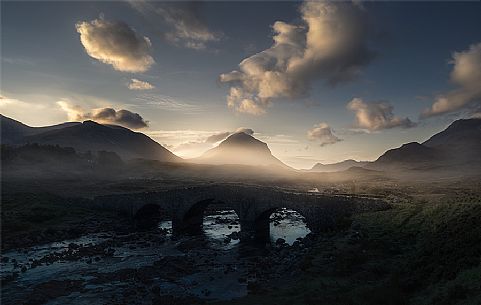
(104, 116)
(169, 103)
(186, 27)
(223, 135)
(244, 102)
(217, 137)
(74, 112)
(376, 116)
(330, 44)
(192, 143)
(245, 130)
(136, 84)
(466, 74)
(322, 133)
(116, 44)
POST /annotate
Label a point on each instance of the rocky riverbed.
(154, 266)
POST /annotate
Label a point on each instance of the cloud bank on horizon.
(194, 143)
(105, 115)
(330, 44)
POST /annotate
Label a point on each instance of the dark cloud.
(121, 117)
(104, 116)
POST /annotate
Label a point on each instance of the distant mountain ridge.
(87, 136)
(14, 132)
(339, 166)
(240, 148)
(459, 145)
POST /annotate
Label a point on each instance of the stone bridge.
(253, 205)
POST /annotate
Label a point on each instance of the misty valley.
(95, 226)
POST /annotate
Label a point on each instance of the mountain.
(458, 146)
(336, 167)
(240, 148)
(88, 136)
(461, 141)
(14, 132)
(408, 156)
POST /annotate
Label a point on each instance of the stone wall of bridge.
(253, 205)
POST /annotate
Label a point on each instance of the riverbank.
(416, 253)
(150, 266)
(30, 219)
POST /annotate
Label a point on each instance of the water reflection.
(288, 225)
(220, 227)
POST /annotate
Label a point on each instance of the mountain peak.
(243, 140)
(240, 148)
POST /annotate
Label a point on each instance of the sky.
(318, 81)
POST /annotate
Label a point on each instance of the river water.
(110, 267)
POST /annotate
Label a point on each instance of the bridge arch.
(262, 222)
(149, 215)
(191, 220)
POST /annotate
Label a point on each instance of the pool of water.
(288, 225)
(285, 223)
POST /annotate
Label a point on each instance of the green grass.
(423, 253)
(31, 215)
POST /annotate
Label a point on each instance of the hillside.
(240, 148)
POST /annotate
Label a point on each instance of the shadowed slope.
(87, 136)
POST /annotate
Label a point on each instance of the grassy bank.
(29, 218)
(422, 253)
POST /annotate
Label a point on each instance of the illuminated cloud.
(186, 27)
(330, 44)
(192, 143)
(466, 74)
(104, 116)
(323, 134)
(136, 84)
(241, 101)
(74, 112)
(376, 116)
(116, 44)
